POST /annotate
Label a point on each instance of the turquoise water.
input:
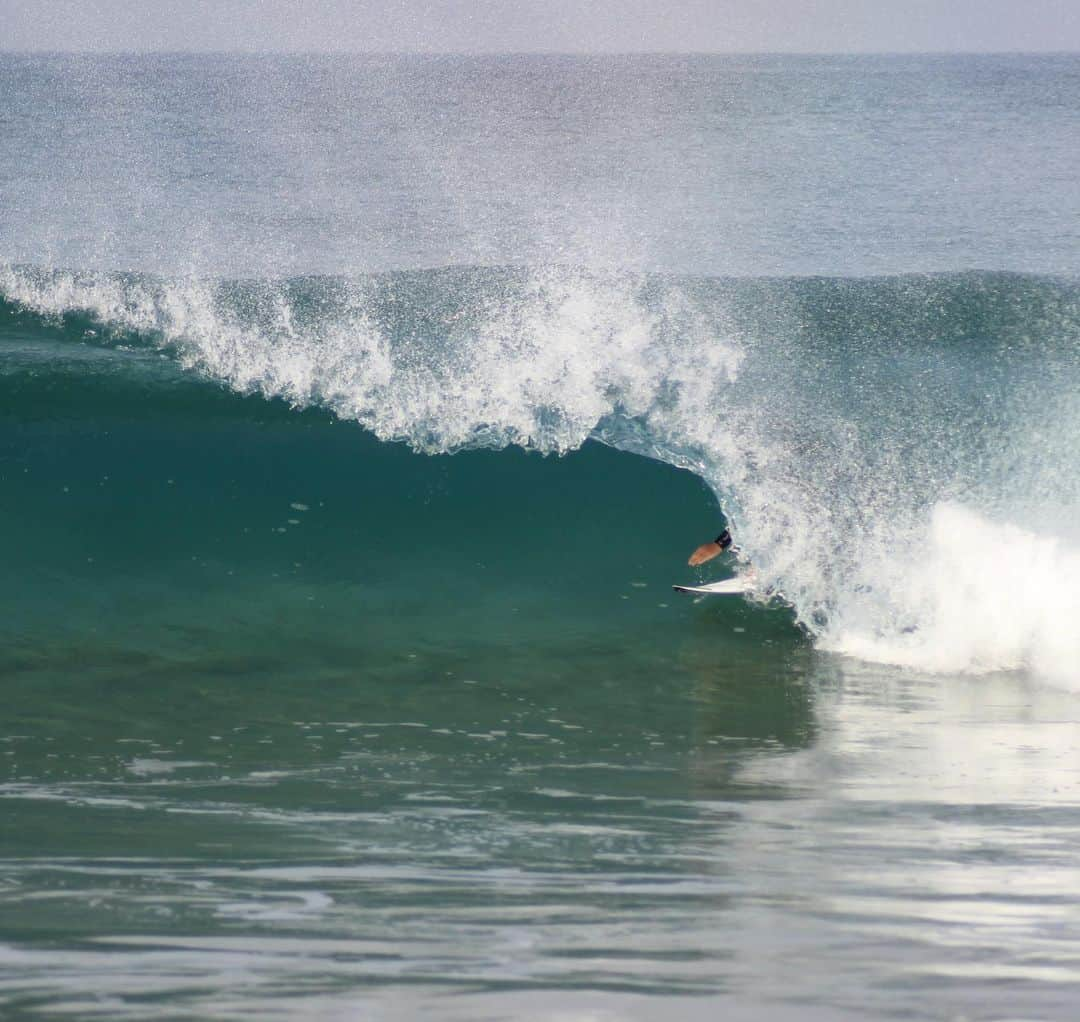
(357, 416)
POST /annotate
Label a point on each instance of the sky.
(432, 26)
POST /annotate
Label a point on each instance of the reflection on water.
(768, 829)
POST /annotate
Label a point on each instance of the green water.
(418, 756)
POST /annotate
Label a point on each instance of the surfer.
(707, 551)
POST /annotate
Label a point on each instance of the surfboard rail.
(739, 585)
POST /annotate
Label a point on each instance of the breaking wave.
(898, 455)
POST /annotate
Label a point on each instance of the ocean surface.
(357, 415)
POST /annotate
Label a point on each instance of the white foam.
(977, 596)
(340, 361)
(542, 365)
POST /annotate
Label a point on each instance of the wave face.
(898, 455)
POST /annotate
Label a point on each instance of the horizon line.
(271, 52)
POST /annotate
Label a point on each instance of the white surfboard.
(740, 585)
